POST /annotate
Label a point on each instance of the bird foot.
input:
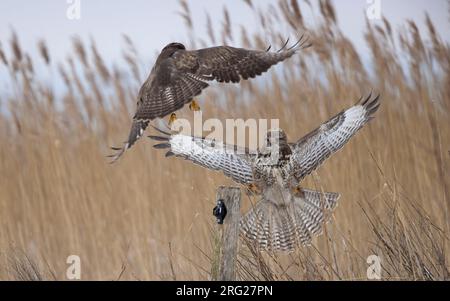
(172, 119)
(193, 106)
(298, 191)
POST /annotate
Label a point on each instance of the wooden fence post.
(228, 233)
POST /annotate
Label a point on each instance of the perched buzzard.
(179, 75)
(286, 215)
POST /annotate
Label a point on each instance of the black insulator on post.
(220, 211)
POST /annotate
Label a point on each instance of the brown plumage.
(179, 75)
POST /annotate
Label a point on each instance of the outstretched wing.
(167, 90)
(176, 80)
(234, 162)
(229, 64)
(310, 151)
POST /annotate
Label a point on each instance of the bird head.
(171, 48)
(275, 137)
(276, 147)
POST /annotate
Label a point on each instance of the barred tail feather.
(327, 200)
(282, 228)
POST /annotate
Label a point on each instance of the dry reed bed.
(150, 218)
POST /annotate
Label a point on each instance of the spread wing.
(229, 64)
(176, 80)
(233, 161)
(168, 89)
(312, 150)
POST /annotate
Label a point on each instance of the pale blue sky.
(152, 24)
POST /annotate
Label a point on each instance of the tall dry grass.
(148, 217)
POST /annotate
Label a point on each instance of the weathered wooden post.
(228, 232)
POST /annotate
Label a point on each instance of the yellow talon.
(298, 191)
(193, 106)
(172, 119)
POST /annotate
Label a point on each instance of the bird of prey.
(286, 214)
(179, 75)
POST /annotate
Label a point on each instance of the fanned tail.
(277, 227)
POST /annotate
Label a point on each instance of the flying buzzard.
(286, 215)
(179, 75)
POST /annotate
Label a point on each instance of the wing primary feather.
(158, 138)
(296, 43)
(367, 99)
(162, 145)
(305, 43)
(372, 106)
(284, 46)
(302, 43)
